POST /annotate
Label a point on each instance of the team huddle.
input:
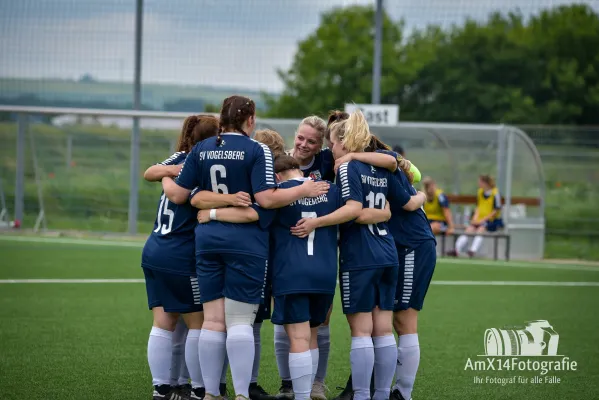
(242, 226)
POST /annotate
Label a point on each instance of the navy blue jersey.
(237, 164)
(307, 265)
(171, 245)
(321, 167)
(367, 246)
(409, 228)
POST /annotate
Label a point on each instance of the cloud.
(215, 42)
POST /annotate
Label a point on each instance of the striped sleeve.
(263, 172)
(349, 182)
(175, 159)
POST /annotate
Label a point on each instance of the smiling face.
(308, 142)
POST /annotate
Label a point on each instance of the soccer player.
(316, 163)
(486, 218)
(368, 259)
(272, 139)
(437, 208)
(168, 261)
(232, 258)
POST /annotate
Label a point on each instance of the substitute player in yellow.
(437, 208)
(486, 218)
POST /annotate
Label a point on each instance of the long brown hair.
(195, 129)
(236, 110)
(488, 179)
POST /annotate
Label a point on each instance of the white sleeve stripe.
(269, 173)
(497, 200)
(344, 181)
(171, 158)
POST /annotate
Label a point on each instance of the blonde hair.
(354, 132)
(427, 181)
(272, 139)
(314, 121)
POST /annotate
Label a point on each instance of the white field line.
(441, 283)
(450, 261)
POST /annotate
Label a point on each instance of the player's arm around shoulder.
(236, 215)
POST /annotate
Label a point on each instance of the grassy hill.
(155, 96)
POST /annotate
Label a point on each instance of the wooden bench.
(495, 235)
(462, 199)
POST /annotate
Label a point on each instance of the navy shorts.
(363, 290)
(443, 224)
(492, 226)
(175, 293)
(416, 267)
(237, 277)
(302, 307)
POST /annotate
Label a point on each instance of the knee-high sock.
(385, 359)
(362, 365)
(282, 345)
(192, 358)
(160, 354)
(324, 348)
(212, 349)
(178, 360)
(240, 349)
(460, 243)
(300, 366)
(257, 353)
(408, 358)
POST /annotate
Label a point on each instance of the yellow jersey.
(487, 204)
(434, 209)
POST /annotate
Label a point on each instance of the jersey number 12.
(377, 201)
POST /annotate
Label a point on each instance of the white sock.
(324, 348)
(476, 242)
(300, 366)
(178, 360)
(184, 377)
(362, 365)
(192, 358)
(385, 359)
(160, 354)
(314, 354)
(460, 243)
(223, 375)
(240, 349)
(212, 358)
(282, 352)
(257, 351)
(408, 358)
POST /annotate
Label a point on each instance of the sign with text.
(377, 114)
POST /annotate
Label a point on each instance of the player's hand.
(304, 227)
(314, 189)
(203, 216)
(240, 199)
(388, 210)
(174, 170)
(346, 158)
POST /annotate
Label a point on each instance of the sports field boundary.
(560, 265)
(439, 283)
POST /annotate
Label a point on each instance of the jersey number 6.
(222, 172)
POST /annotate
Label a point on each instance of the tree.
(334, 64)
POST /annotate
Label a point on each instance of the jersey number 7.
(310, 214)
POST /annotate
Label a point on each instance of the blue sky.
(237, 43)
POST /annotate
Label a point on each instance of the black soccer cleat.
(286, 390)
(167, 392)
(396, 395)
(257, 392)
(184, 390)
(222, 388)
(197, 394)
(347, 392)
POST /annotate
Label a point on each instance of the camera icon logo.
(535, 338)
